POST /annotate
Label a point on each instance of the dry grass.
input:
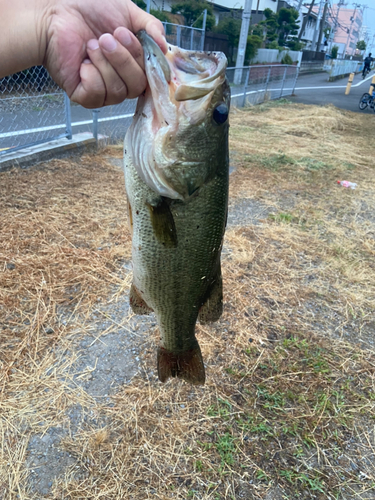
(288, 409)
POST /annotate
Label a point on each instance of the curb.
(60, 148)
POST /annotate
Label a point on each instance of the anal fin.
(137, 304)
(212, 308)
(187, 365)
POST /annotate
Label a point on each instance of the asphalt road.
(315, 89)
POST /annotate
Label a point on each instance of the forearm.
(22, 34)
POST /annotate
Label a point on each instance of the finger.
(141, 20)
(127, 69)
(116, 89)
(90, 92)
(131, 43)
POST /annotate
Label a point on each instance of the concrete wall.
(339, 68)
(270, 56)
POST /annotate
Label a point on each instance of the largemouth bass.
(176, 176)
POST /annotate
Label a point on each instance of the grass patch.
(288, 407)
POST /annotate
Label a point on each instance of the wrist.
(23, 25)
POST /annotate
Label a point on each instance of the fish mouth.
(181, 75)
(171, 117)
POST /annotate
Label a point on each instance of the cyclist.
(366, 68)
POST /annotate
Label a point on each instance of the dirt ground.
(287, 411)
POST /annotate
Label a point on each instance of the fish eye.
(220, 114)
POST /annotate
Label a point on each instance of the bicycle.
(367, 100)
(365, 72)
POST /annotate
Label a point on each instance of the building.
(311, 30)
(347, 32)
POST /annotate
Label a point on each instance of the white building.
(310, 34)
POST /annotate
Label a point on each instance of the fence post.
(95, 113)
(178, 36)
(371, 89)
(245, 86)
(203, 28)
(295, 80)
(191, 38)
(350, 81)
(68, 117)
(282, 85)
(267, 82)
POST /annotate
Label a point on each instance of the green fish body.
(178, 220)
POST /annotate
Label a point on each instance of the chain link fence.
(186, 37)
(257, 84)
(33, 110)
(113, 121)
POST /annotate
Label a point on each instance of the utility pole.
(305, 19)
(299, 5)
(323, 21)
(317, 26)
(242, 42)
(372, 43)
(148, 6)
(350, 29)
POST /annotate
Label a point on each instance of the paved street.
(314, 89)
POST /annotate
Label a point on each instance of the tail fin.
(187, 365)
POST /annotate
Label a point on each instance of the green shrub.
(334, 51)
(287, 59)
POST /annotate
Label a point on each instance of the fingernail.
(86, 61)
(123, 36)
(93, 44)
(107, 42)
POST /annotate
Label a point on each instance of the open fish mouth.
(181, 74)
(174, 113)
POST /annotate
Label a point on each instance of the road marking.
(304, 88)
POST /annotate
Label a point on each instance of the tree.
(231, 27)
(252, 46)
(334, 51)
(159, 14)
(270, 24)
(192, 10)
(361, 45)
(287, 24)
(141, 4)
(294, 44)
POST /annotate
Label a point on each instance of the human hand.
(91, 51)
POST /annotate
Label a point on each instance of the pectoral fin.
(163, 223)
(137, 304)
(212, 308)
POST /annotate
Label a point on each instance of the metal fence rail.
(256, 84)
(33, 110)
(185, 37)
